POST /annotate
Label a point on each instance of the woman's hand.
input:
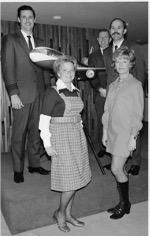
(132, 144)
(51, 151)
(104, 138)
(102, 92)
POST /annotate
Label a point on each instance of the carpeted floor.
(133, 224)
(31, 204)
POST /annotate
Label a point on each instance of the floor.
(134, 224)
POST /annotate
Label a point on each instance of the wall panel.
(69, 40)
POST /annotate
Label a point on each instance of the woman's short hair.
(62, 59)
(125, 52)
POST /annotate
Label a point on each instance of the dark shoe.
(101, 153)
(134, 170)
(121, 210)
(18, 177)
(39, 170)
(62, 226)
(113, 209)
(75, 222)
(107, 167)
(124, 206)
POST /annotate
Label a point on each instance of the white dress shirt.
(26, 38)
(118, 44)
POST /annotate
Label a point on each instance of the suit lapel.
(23, 43)
(124, 43)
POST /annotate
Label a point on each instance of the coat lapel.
(124, 43)
(23, 43)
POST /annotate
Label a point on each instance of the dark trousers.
(25, 125)
(99, 107)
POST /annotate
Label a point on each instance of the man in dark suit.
(99, 83)
(25, 85)
(118, 30)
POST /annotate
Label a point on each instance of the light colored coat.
(123, 114)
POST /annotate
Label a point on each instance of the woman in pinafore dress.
(64, 140)
(122, 121)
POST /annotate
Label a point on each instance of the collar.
(101, 49)
(125, 79)
(118, 44)
(61, 85)
(25, 34)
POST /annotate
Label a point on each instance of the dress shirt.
(26, 38)
(117, 44)
(101, 50)
(61, 85)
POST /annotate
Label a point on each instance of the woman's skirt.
(70, 168)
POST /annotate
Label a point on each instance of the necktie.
(29, 43)
(116, 47)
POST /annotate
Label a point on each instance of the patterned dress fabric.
(70, 168)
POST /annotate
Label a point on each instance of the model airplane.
(45, 57)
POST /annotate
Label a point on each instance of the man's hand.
(16, 102)
(102, 92)
(51, 151)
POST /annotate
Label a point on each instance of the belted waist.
(69, 119)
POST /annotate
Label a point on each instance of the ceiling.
(87, 14)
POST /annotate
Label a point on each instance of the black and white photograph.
(74, 96)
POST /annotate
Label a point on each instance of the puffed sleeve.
(138, 107)
(49, 101)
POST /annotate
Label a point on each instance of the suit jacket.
(138, 71)
(20, 74)
(96, 60)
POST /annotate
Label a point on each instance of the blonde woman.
(122, 121)
(64, 140)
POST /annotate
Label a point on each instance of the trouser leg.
(33, 144)
(19, 130)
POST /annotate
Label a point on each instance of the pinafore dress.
(70, 168)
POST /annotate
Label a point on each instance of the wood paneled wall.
(72, 41)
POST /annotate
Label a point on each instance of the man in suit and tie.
(99, 83)
(25, 85)
(118, 31)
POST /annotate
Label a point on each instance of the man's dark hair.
(117, 18)
(24, 8)
(103, 30)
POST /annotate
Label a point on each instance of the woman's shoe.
(119, 212)
(113, 209)
(61, 225)
(75, 222)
